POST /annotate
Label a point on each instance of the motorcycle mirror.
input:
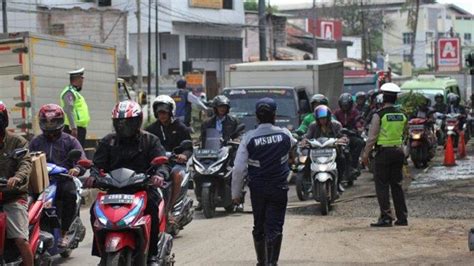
(160, 160)
(74, 155)
(186, 144)
(18, 153)
(85, 163)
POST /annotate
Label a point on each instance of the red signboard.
(448, 54)
(326, 29)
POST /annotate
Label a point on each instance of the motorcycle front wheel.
(301, 191)
(121, 257)
(323, 197)
(208, 203)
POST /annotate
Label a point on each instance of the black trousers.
(356, 144)
(268, 207)
(151, 209)
(81, 134)
(388, 176)
(66, 199)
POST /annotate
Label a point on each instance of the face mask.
(79, 89)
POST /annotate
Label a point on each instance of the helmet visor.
(322, 113)
(51, 124)
(127, 127)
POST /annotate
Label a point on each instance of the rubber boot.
(273, 250)
(260, 250)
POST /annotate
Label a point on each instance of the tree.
(251, 5)
(413, 7)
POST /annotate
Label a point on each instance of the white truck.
(34, 70)
(290, 83)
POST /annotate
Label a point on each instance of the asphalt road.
(440, 202)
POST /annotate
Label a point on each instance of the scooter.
(438, 126)
(39, 243)
(50, 221)
(182, 210)
(422, 146)
(121, 228)
(452, 127)
(213, 172)
(323, 153)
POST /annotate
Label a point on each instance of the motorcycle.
(452, 126)
(438, 126)
(182, 210)
(422, 145)
(121, 228)
(213, 171)
(323, 180)
(9, 254)
(50, 222)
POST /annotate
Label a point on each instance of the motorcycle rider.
(386, 133)
(184, 99)
(329, 128)
(350, 119)
(439, 105)
(226, 125)
(171, 133)
(56, 145)
(361, 103)
(15, 197)
(129, 147)
(316, 100)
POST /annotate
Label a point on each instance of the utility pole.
(414, 28)
(149, 59)
(313, 25)
(4, 16)
(139, 47)
(364, 36)
(262, 30)
(370, 50)
(157, 54)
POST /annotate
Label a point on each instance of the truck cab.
(430, 85)
(292, 104)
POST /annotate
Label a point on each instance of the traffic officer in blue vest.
(263, 155)
(386, 132)
(183, 99)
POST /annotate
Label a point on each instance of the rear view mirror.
(186, 145)
(87, 164)
(157, 161)
(304, 106)
(74, 155)
(142, 98)
(18, 153)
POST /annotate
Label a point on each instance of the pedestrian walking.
(75, 107)
(263, 154)
(387, 128)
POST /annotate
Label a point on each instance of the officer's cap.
(266, 104)
(77, 72)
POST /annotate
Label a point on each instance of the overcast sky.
(464, 4)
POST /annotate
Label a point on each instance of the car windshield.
(430, 93)
(242, 101)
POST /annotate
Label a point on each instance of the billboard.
(215, 4)
(326, 29)
(448, 54)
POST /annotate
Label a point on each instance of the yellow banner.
(215, 4)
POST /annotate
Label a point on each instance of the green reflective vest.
(80, 108)
(392, 127)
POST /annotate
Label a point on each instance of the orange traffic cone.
(461, 145)
(449, 159)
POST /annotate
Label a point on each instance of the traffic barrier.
(461, 145)
(449, 159)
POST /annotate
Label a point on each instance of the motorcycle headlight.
(450, 127)
(100, 215)
(416, 136)
(214, 169)
(131, 215)
(303, 159)
(198, 167)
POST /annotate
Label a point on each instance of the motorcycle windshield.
(213, 139)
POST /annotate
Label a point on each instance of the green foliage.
(409, 102)
(251, 5)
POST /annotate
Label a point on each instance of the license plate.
(207, 153)
(322, 152)
(118, 199)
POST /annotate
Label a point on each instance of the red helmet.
(51, 117)
(127, 118)
(3, 116)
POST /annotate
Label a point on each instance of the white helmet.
(390, 87)
(164, 100)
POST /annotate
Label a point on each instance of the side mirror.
(142, 98)
(240, 128)
(87, 164)
(304, 106)
(18, 153)
(74, 155)
(186, 144)
(160, 160)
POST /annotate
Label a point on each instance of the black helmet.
(454, 99)
(181, 84)
(361, 94)
(439, 95)
(221, 100)
(319, 99)
(345, 101)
